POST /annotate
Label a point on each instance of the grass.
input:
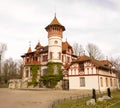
(117, 105)
(81, 103)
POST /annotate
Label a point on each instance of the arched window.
(106, 80)
(101, 81)
(111, 82)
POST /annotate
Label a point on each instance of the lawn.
(116, 105)
(81, 103)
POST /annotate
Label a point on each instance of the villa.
(79, 72)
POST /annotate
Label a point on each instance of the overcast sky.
(86, 21)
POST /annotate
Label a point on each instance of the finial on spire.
(55, 10)
(29, 43)
(55, 14)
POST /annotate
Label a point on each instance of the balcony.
(32, 62)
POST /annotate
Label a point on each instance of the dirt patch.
(34, 98)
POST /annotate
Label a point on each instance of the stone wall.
(17, 84)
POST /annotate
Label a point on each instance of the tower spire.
(29, 49)
(55, 14)
(29, 43)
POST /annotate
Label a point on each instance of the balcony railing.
(32, 62)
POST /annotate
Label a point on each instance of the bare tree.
(94, 51)
(78, 49)
(3, 48)
(20, 67)
(11, 69)
(116, 64)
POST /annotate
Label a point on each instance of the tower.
(55, 31)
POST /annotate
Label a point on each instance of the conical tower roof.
(29, 50)
(55, 22)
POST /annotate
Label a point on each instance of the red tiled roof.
(85, 58)
(65, 46)
(55, 22)
(106, 62)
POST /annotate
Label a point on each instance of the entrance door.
(65, 84)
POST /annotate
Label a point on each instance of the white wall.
(55, 48)
(90, 82)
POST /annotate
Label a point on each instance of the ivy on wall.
(54, 75)
(50, 81)
(51, 68)
(34, 70)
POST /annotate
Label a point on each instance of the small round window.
(56, 42)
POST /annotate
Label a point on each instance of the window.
(111, 82)
(71, 71)
(81, 67)
(35, 58)
(27, 59)
(55, 70)
(101, 81)
(44, 58)
(27, 73)
(106, 82)
(44, 71)
(59, 56)
(68, 59)
(87, 70)
(82, 82)
(55, 42)
(115, 82)
(74, 71)
(51, 54)
(62, 58)
(91, 70)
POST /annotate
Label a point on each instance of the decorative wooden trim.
(55, 45)
(91, 75)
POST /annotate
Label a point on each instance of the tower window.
(56, 42)
(51, 54)
(62, 58)
(59, 56)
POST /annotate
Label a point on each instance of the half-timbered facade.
(87, 73)
(79, 72)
